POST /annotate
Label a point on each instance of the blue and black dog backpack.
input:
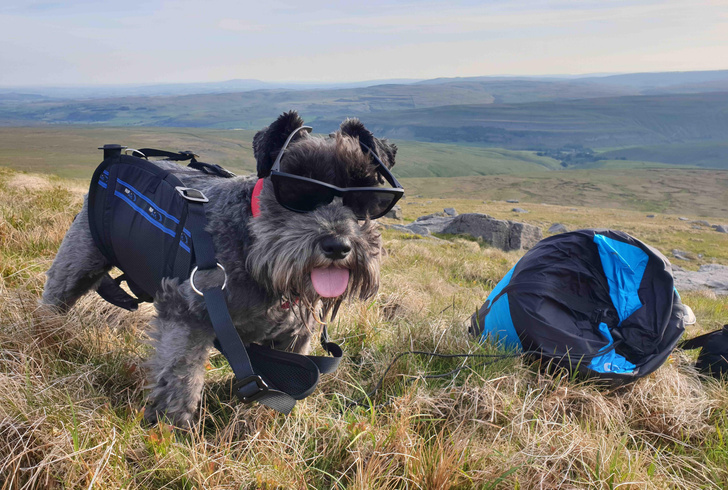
(595, 301)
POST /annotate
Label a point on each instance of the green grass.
(72, 386)
(697, 192)
(710, 154)
(71, 151)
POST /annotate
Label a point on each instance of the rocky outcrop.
(712, 277)
(395, 212)
(558, 228)
(504, 234)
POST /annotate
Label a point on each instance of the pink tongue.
(330, 282)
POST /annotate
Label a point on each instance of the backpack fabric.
(150, 226)
(595, 301)
(713, 357)
(135, 205)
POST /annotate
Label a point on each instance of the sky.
(91, 42)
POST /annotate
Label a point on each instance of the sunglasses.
(303, 195)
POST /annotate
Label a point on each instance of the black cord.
(491, 357)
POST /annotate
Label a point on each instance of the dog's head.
(326, 252)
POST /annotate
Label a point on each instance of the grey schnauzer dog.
(286, 270)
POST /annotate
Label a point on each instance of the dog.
(286, 269)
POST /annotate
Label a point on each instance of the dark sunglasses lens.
(300, 195)
(372, 204)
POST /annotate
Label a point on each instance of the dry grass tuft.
(71, 392)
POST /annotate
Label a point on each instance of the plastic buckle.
(262, 388)
(192, 194)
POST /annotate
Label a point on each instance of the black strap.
(488, 359)
(111, 291)
(211, 169)
(179, 156)
(701, 340)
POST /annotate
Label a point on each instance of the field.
(72, 386)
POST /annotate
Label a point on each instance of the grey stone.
(512, 201)
(429, 216)
(433, 223)
(700, 222)
(557, 228)
(395, 212)
(519, 210)
(417, 229)
(721, 228)
(450, 212)
(650, 215)
(682, 218)
(503, 234)
(713, 277)
(681, 254)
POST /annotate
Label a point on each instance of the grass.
(697, 192)
(72, 386)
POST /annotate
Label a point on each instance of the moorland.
(72, 386)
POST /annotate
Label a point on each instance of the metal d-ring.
(192, 278)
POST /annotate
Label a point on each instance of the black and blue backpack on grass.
(599, 302)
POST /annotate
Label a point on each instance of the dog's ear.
(268, 141)
(385, 150)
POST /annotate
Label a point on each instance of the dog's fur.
(268, 259)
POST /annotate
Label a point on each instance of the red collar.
(255, 198)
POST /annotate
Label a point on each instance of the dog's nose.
(335, 248)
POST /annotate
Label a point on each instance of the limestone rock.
(713, 277)
(450, 212)
(558, 228)
(519, 210)
(681, 255)
(503, 234)
(721, 228)
(395, 212)
(512, 201)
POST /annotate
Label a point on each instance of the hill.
(650, 190)
(595, 123)
(71, 151)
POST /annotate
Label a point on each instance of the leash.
(491, 359)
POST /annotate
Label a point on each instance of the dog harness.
(150, 226)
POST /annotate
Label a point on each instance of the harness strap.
(278, 378)
(110, 289)
(182, 156)
(179, 156)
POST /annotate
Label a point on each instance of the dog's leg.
(78, 266)
(176, 370)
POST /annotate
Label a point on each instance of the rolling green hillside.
(253, 109)
(706, 154)
(71, 151)
(607, 122)
(654, 190)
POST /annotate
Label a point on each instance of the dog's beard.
(282, 260)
